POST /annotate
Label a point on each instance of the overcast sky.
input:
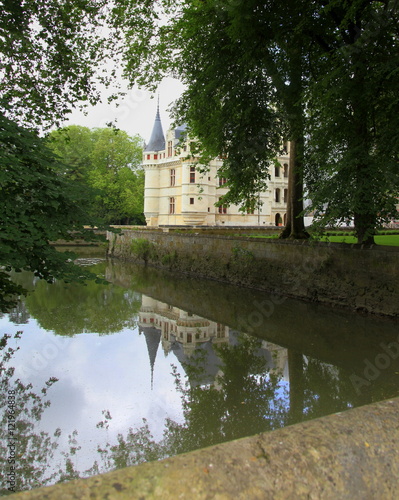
(136, 111)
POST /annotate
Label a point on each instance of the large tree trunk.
(295, 227)
(293, 103)
(364, 213)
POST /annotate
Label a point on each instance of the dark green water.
(153, 365)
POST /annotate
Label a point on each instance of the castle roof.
(157, 140)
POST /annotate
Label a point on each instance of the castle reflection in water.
(188, 336)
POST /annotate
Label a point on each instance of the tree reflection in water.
(23, 448)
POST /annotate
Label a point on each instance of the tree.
(52, 56)
(38, 207)
(73, 145)
(116, 171)
(106, 162)
(353, 151)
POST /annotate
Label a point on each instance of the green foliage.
(107, 163)
(51, 305)
(353, 148)
(38, 207)
(52, 56)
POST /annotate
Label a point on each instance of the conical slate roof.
(157, 141)
(152, 338)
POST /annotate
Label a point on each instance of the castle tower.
(150, 157)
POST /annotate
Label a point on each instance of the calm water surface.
(100, 377)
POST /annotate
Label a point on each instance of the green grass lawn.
(382, 239)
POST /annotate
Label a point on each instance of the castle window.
(170, 148)
(285, 147)
(277, 195)
(172, 176)
(285, 169)
(191, 201)
(222, 181)
(155, 157)
(148, 157)
(222, 209)
(285, 195)
(192, 175)
(277, 171)
(171, 205)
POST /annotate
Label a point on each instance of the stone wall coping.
(272, 241)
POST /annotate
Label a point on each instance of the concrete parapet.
(350, 455)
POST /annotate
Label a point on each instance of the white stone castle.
(177, 194)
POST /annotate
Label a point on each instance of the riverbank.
(350, 455)
(355, 277)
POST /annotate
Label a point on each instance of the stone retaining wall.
(361, 278)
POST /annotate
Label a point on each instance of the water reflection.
(109, 376)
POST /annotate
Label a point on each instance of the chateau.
(176, 194)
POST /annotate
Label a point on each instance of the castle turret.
(151, 155)
(157, 141)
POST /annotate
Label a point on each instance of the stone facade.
(176, 193)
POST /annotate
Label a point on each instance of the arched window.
(277, 219)
(276, 170)
(285, 195)
(277, 195)
(285, 219)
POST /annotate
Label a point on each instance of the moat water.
(98, 377)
